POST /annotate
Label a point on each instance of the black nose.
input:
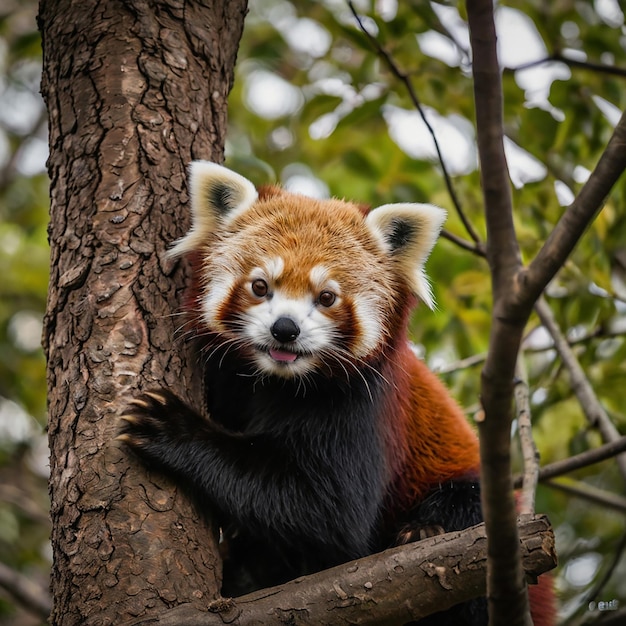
(284, 329)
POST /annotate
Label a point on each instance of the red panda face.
(298, 285)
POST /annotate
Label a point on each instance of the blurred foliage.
(316, 109)
(24, 257)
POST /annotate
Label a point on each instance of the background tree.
(316, 101)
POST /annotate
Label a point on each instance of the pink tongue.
(283, 356)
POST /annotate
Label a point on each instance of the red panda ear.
(217, 196)
(408, 233)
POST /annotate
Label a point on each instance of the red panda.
(328, 439)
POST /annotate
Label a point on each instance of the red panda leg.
(453, 505)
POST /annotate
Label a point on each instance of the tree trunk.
(135, 90)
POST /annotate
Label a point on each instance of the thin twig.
(470, 361)
(406, 81)
(573, 463)
(593, 494)
(594, 411)
(477, 359)
(477, 248)
(530, 454)
(601, 332)
(603, 68)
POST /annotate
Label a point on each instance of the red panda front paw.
(417, 532)
(155, 424)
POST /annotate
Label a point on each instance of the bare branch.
(600, 332)
(602, 68)
(406, 81)
(530, 453)
(29, 594)
(502, 248)
(584, 459)
(470, 361)
(477, 248)
(440, 571)
(508, 600)
(578, 215)
(594, 411)
(587, 492)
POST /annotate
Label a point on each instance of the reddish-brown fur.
(439, 442)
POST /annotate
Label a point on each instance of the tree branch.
(587, 492)
(578, 215)
(603, 68)
(477, 248)
(508, 600)
(600, 332)
(476, 359)
(470, 361)
(594, 411)
(441, 571)
(530, 453)
(584, 459)
(502, 248)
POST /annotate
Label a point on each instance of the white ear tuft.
(217, 196)
(408, 233)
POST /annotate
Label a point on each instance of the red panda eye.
(327, 298)
(259, 288)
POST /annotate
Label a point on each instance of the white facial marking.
(219, 290)
(316, 331)
(368, 314)
(274, 268)
(321, 281)
(318, 276)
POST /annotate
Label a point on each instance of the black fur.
(297, 475)
(221, 197)
(454, 505)
(401, 233)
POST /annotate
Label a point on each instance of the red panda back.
(437, 442)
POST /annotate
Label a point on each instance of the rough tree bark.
(388, 589)
(135, 89)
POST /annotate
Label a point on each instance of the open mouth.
(282, 356)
